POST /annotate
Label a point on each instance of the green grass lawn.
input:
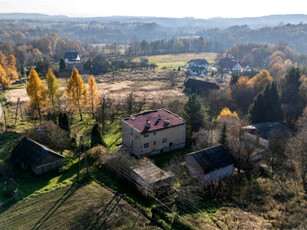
(163, 159)
(85, 206)
(172, 61)
(112, 133)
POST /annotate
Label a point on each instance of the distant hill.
(220, 34)
(175, 23)
(20, 16)
(252, 22)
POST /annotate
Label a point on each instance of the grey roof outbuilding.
(213, 158)
(36, 157)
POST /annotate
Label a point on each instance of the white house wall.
(175, 135)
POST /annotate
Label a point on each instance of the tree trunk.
(39, 115)
(80, 111)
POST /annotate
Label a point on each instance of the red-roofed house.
(153, 132)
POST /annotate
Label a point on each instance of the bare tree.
(140, 103)
(130, 103)
(102, 112)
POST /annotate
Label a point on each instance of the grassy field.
(172, 61)
(88, 206)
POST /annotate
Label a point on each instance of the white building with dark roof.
(198, 67)
(72, 59)
(153, 132)
(230, 65)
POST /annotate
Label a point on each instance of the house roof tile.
(140, 120)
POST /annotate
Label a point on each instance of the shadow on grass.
(98, 216)
(57, 205)
(70, 172)
(27, 184)
(114, 142)
(111, 181)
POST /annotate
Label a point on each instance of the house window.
(154, 142)
(155, 132)
(146, 145)
(131, 143)
(131, 131)
(164, 139)
(146, 134)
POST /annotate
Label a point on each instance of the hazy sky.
(159, 8)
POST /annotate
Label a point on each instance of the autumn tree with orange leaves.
(36, 92)
(5, 81)
(8, 70)
(92, 94)
(76, 92)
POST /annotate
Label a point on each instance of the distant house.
(35, 157)
(150, 179)
(210, 164)
(199, 87)
(153, 132)
(72, 59)
(259, 136)
(268, 130)
(198, 67)
(229, 65)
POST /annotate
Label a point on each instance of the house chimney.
(159, 117)
(147, 124)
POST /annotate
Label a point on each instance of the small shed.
(150, 179)
(210, 164)
(35, 157)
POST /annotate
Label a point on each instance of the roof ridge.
(43, 146)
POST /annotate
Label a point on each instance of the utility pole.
(18, 106)
(4, 115)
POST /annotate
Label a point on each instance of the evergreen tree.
(266, 106)
(234, 79)
(194, 112)
(293, 104)
(62, 66)
(64, 122)
(223, 137)
(96, 138)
